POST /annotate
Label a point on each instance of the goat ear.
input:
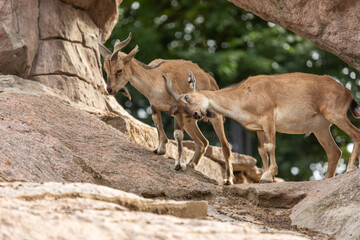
(192, 81)
(131, 55)
(170, 89)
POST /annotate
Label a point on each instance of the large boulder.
(331, 25)
(68, 36)
(19, 36)
(104, 13)
(55, 42)
(330, 206)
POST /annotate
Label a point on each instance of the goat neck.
(149, 82)
(219, 102)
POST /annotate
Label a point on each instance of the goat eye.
(119, 71)
(187, 98)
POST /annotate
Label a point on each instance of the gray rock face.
(331, 25)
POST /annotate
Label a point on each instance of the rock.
(68, 23)
(69, 59)
(13, 84)
(53, 190)
(104, 13)
(329, 206)
(332, 207)
(86, 211)
(331, 25)
(69, 38)
(52, 41)
(44, 138)
(18, 36)
(270, 195)
(69, 86)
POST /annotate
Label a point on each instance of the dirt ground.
(227, 208)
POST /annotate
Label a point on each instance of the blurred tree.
(231, 45)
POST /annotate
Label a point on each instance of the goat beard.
(125, 92)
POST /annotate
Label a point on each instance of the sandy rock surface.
(55, 42)
(87, 211)
(325, 209)
(332, 208)
(54, 190)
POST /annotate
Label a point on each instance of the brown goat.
(122, 68)
(294, 103)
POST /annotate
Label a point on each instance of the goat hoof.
(265, 181)
(191, 165)
(177, 167)
(351, 168)
(183, 166)
(158, 153)
(228, 182)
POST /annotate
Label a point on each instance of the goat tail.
(355, 109)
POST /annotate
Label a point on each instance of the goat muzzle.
(197, 115)
(109, 90)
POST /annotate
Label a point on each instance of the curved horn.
(120, 45)
(192, 81)
(131, 54)
(170, 89)
(103, 50)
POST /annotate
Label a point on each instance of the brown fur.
(294, 103)
(149, 81)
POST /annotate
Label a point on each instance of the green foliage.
(232, 45)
